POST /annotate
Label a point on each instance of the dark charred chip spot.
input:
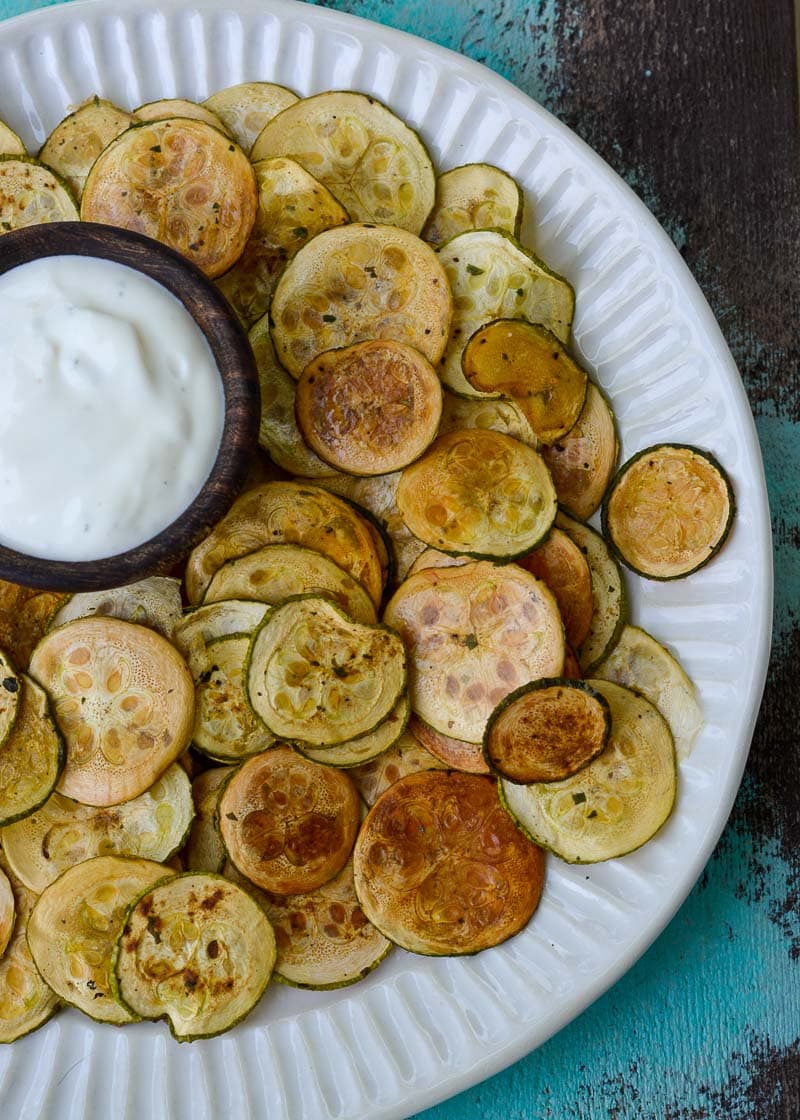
(212, 949)
(11, 684)
(210, 901)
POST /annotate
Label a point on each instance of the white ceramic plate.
(419, 1030)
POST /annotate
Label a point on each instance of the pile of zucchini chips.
(400, 668)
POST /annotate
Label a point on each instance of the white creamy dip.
(111, 408)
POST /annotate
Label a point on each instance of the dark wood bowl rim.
(238, 373)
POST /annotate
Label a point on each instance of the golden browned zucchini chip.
(480, 493)
(123, 699)
(179, 181)
(31, 194)
(498, 415)
(356, 283)
(25, 615)
(288, 824)
(563, 567)
(453, 753)
(10, 143)
(668, 511)
(440, 867)
(204, 849)
(32, 757)
(7, 911)
(26, 1002)
(367, 157)
(474, 196)
(168, 107)
(546, 731)
(406, 756)
(77, 141)
(10, 688)
(244, 109)
(288, 513)
(583, 461)
(474, 634)
(370, 408)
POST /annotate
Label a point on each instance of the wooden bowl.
(237, 371)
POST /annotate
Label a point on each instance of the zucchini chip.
(432, 558)
(75, 923)
(292, 208)
(493, 414)
(370, 408)
(288, 513)
(609, 599)
(64, 832)
(406, 756)
(560, 564)
(319, 677)
(32, 757)
(323, 939)
(366, 747)
(366, 156)
(356, 283)
(668, 511)
(440, 868)
(474, 634)
(179, 181)
(279, 571)
(474, 196)
(153, 602)
(478, 493)
(77, 141)
(10, 687)
(642, 664)
(167, 108)
(225, 727)
(196, 950)
(455, 754)
(10, 143)
(123, 699)
(526, 362)
(618, 801)
(201, 625)
(493, 277)
(546, 731)
(244, 109)
(31, 194)
(204, 849)
(26, 1002)
(288, 824)
(583, 461)
(25, 615)
(7, 911)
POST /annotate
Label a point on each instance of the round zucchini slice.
(642, 664)
(196, 950)
(668, 511)
(406, 756)
(179, 181)
(478, 493)
(123, 699)
(288, 513)
(456, 754)
(287, 823)
(440, 868)
(366, 156)
(10, 689)
(366, 747)
(618, 801)
(7, 911)
(370, 408)
(279, 571)
(360, 282)
(525, 361)
(583, 461)
(153, 602)
(292, 208)
(32, 757)
(225, 727)
(474, 634)
(77, 141)
(31, 194)
(244, 109)
(166, 108)
(201, 625)
(64, 832)
(560, 564)
(474, 196)
(75, 923)
(204, 850)
(493, 414)
(319, 677)
(25, 614)
(10, 143)
(26, 1001)
(493, 277)
(546, 731)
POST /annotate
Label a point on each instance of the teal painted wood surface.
(694, 102)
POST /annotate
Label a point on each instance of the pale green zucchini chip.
(204, 849)
(316, 676)
(366, 156)
(642, 664)
(63, 832)
(292, 208)
(10, 143)
(196, 950)
(225, 727)
(75, 923)
(357, 283)
(244, 109)
(201, 625)
(493, 277)
(617, 802)
(474, 196)
(10, 690)
(279, 571)
(7, 911)
(153, 602)
(366, 747)
(32, 757)
(168, 107)
(583, 461)
(31, 194)
(77, 141)
(406, 756)
(26, 1002)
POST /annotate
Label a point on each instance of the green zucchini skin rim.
(226, 760)
(375, 522)
(536, 686)
(61, 762)
(620, 473)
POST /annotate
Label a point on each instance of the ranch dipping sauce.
(111, 408)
